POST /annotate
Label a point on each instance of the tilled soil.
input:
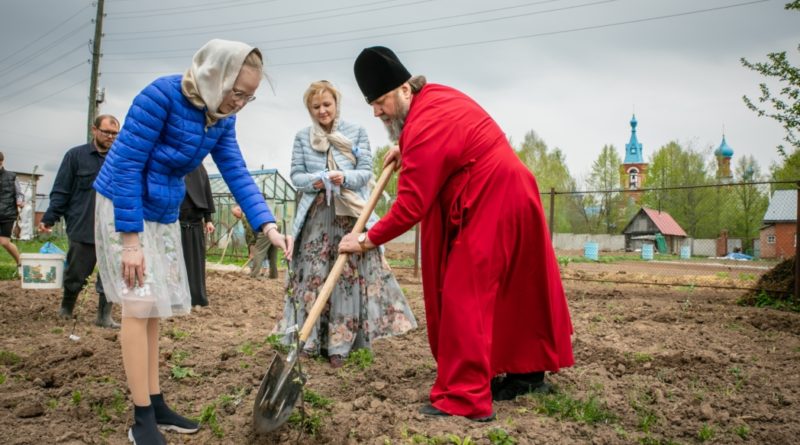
(654, 365)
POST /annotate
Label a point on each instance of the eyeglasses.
(109, 133)
(238, 95)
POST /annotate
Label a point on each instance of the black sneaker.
(144, 431)
(430, 410)
(169, 420)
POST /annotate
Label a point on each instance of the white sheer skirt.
(166, 288)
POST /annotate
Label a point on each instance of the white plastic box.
(42, 270)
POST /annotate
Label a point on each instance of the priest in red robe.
(494, 301)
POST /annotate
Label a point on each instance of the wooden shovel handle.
(338, 266)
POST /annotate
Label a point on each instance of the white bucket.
(42, 270)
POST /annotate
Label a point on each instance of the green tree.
(607, 208)
(788, 170)
(390, 192)
(750, 203)
(550, 169)
(785, 105)
(693, 208)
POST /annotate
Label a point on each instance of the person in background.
(11, 200)
(258, 249)
(73, 198)
(172, 125)
(195, 220)
(494, 301)
(332, 167)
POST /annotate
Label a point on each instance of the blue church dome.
(724, 149)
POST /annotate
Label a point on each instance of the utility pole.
(98, 35)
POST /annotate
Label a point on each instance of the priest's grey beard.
(395, 126)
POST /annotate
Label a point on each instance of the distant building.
(648, 226)
(778, 234)
(633, 170)
(724, 153)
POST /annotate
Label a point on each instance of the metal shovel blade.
(280, 390)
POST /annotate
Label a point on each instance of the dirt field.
(655, 365)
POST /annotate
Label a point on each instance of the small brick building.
(778, 234)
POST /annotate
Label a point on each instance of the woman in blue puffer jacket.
(332, 167)
(172, 125)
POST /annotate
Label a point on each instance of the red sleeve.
(429, 149)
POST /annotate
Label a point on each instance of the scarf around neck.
(214, 69)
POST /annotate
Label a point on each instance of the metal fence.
(725, 235)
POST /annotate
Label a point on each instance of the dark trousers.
(81, 259)
(193, 239)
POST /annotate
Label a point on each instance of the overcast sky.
(572, 70)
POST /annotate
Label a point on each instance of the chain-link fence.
(726, 235)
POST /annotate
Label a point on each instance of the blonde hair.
(317, 88)
(254, 60)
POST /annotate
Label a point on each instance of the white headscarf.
(214, 69)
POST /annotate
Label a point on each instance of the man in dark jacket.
(195, 220)
(11, 199)
(73, 198)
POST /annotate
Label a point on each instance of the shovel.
(283, 383)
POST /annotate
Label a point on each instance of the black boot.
(67, 304)
(169, 420)
(514, 385)
(104, 313)
(145, 430)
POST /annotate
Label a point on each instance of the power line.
(7, 84)
(43, 35)
(542, 34)
(440, 27)
(182, 10)
(25, 90)
(372, 28)
(32, 56)
(144, 35)
(504, 39)
(44, 98)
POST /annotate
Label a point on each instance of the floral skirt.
(367, 302)
(166, 288)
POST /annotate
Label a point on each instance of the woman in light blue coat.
(332, 168)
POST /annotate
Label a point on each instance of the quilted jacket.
(164, 138)
(307, 163)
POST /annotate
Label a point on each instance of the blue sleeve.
(231, 166)
(144, 123)
(301, 179)
(360, 176)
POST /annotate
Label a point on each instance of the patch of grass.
(401, 262)
(311, 422)
(743, 431)
(723, 275)
(642, 357)
(739, 377)
(52, 403)
(360, 358)
(689, 288)
(706, 433)
(57, 331)
(316, 400)
(275, 341)
(499, 436)
(118, 403)
(76, 397)
(178, 356)
(180, 372)
(208, 416)
(99, 408)
(763, 299)
(747, 277)
(247, 348)
(8, 358)
(177, 334)
(3, 378)
(563, 406)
